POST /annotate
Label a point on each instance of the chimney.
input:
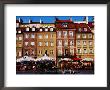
(71, 18)
(86, 19)
(29, 21)
(19, 20)
(40, 21)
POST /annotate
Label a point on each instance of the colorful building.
(46, 40)
(84, 41)
(61, 39)
(65, 32)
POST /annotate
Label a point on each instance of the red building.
(65, 38)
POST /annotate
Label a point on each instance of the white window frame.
(46, 36)
(32, 35)
(32, 43)
(20, 54)
(46, 29)
(20, 38)
(51, 29)
(19, 31)
(26, 35)
(27, 29)
(39, 43)
(40, 36)
(41, 30)
(33, 29)
(26, 43)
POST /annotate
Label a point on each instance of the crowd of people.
(48, 66)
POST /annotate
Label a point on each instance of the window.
(26, 52)
(40, 36)
(40, 51)
(46, 36)
(20, 44)
(27, 29)
(17, 24)
(65, 25)
(65, 42)
(20, 38)
(32, 35)
(19, 31)
(32, 53)
(90, 36)
(59, 51)
(19, 53)
(26, 43)
(17, 38)
(78, 36)
(85, 51)
(85, 29)
(32, 43)
(65, 33)
(71, 42)
(39, 43)
(71, 33)
(59, 34)
(59, 42)
(90, 43)
(78, 42)
(51, 44)
(46, 29)
(33, 29)
(84, 35)
(51, 52)
(46, 43)
(84, 42)
(51, 29)
(51, 35)
(79, 29)
(91, 51)
(71, 51)
(41, 30)
(79, 50)
(26, 35)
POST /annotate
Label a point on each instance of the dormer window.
(46, 29)
(65, 25)
(41, 30)
(33, 29)
(51, 29)
(19, 31)
(27, 29)
(17, 24)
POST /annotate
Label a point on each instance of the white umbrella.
(45, 57)
(87, 59)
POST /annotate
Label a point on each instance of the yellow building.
(84, 43)
(19, 43)
(46, 42)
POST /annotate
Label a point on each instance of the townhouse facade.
(62, 39)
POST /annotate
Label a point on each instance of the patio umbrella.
(87, 59)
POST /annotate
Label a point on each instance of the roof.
(80, 27)
(68, 21)
(91, 24)
(69, 26)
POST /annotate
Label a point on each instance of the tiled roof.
(63, 21)
(91, 24)
(81, 26)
